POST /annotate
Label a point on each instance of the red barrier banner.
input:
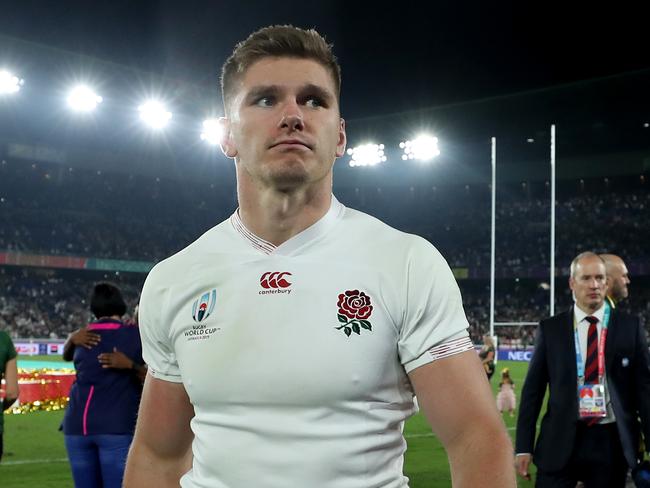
(43, 390)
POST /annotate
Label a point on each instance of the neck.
(278, 215)
(588, 308)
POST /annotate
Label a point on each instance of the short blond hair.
(277, 41)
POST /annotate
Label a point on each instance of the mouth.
(291, 144)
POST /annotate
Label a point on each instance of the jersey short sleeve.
(434, 323)
(157, 348)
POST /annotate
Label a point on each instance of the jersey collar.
(319, 228)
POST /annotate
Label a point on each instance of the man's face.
(589, 283)
(617, 280)
(283, 127)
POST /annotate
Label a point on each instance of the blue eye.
(265, 101)
(314, 102)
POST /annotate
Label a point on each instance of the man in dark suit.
(590, 351)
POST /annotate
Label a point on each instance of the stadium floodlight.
(9, 83)
(367, 155)
(154, 114)
(82, 99)
(211, 131)
(423, 148)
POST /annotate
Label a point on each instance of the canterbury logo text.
(275, 282)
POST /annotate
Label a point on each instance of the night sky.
(395, 57)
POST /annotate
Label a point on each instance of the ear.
(572, 283)
(227, 144)
(342, 141)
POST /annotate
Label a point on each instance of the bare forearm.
(162, 446)
(146, 468)
(482, 458)
(466, 421)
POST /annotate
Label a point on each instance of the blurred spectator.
(487, 355)
(100, 418)
(8, 372)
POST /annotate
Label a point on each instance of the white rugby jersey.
(296, 357)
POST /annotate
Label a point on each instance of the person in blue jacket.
(100, 418)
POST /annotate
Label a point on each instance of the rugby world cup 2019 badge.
(203, 307)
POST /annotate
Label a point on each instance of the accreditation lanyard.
(601, 347)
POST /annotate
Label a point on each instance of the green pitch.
(35, 455)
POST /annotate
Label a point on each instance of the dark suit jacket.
(627, 366)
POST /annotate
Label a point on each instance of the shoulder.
(129, 337)
(363, 227)
(624, 321)
(557, 324)
(624, 317)
(410, 261)
(362, 223)
(558, 319)
(5, 340)
(216, 238)
(130, 328)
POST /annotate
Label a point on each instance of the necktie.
(591, 361)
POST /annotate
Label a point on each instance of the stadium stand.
(53, 210)
(46, 303)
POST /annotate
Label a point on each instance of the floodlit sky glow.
(423, 148)
(9, 83)
(211, 133)
(367, 155)
(83, 99)
(154, 114)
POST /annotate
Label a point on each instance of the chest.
(286, 331)
(567, 347)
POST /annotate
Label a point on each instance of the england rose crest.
(355, 308)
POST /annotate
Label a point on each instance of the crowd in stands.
(39, 303)
(48, 304)
(51, 209)
(55, 210)
(459, 225)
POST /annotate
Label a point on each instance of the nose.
(292, 118)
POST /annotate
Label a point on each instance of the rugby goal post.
(493, 238)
